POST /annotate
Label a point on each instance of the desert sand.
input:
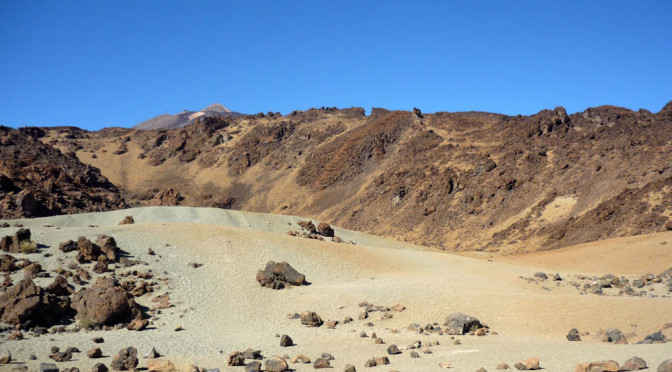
(222, 308)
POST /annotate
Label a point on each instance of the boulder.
(393, 350)
(528, 364)
(59, 287)
(68, 246)
(95, 353)
(253, 367)
(601, 366)
(160, 365)
(26, 302)
(321, 363)
(8, 263)
(152, 354)
(665, 366)
(48, 367)
(125, 360)
(88, 251)
(634, 364)
(277, 275)
(459, 324)
(108, 246)
(286, 341)
(99, 367)
(276, 364)
(573, 335)
(616, 336)
(252, 354)
(308, 226)
(137, 324)
(128, 220)
(5, 357)
(325, 229)
(236, 358)
(311, 319)
(105, 303)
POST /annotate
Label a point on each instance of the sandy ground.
(222, 308)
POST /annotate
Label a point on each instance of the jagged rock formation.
(457, 181)
(38, 180)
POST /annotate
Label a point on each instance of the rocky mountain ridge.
(456, 181)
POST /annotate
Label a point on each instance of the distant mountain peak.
(216, 107)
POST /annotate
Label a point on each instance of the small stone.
(321, 363)
(382, 360)
(178, 328)
(444, 365)
(151, 354)
(286, 341)
(98, 340)
(95, 353)
(350, 368)
(573, 335)
(482, 369)
(665, 366)
(370, 363)
(393, 349)
(503, 366)
(363, 334)
(414, 354)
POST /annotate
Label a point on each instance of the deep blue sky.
(116, 63)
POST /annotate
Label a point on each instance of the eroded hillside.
(457, 181)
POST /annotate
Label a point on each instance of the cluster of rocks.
(632, 364)
(616, 336)
(612, 285)
(104, 305)
(18, 243)
(323, 230)
(279, 275)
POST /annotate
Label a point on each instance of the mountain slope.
(457, 181)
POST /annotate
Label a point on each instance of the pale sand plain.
(222, 308)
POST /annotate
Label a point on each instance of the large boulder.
(665, 366)
(8, 263)
(277, 275)
(105, 303)
(459, 324)
(26, 302)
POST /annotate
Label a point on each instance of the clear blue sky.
(116, 63)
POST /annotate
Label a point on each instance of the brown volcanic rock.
(105, 303)
(168, 197)
(277, 275)
(38, 180)
(28, 302)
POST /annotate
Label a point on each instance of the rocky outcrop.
(279, 275)
(37, 180)
(26, 303)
